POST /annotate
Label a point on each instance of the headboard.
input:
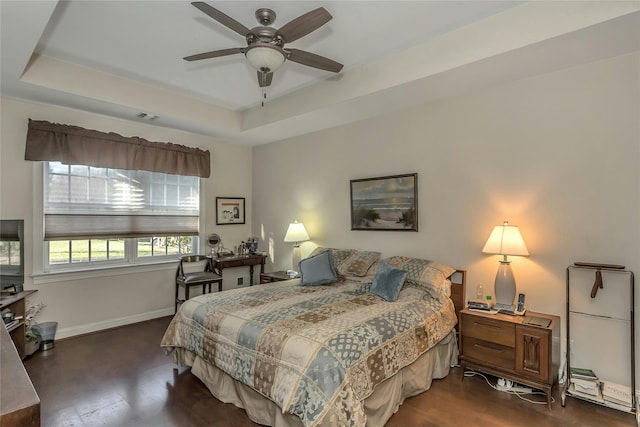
(458, 291)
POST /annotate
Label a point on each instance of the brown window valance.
(78, 146)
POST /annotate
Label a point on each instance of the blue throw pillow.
(317, 270)
(388, 282)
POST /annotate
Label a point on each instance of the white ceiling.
(121, 58)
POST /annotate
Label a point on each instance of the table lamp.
(505, 240)
(296, 233)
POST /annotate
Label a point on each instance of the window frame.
(131, 261)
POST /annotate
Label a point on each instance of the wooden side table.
(276, 276)
(501, 345)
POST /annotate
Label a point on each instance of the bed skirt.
(379, 406)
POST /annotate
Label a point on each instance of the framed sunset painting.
(387, 203)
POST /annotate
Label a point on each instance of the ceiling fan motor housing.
(264, 35)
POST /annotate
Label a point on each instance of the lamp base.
(296, 258)
(505, 285)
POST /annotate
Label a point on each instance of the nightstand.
(500, 345)
(276, 276)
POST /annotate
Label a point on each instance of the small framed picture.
(229, 210)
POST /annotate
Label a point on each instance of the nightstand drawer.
(489, 353)
(490, 330)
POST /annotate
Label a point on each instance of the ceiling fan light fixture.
(265, 57)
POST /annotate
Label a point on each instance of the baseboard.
(112, 323)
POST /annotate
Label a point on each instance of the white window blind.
(83, 202)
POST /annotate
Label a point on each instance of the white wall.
(555, 154)
(86, 303)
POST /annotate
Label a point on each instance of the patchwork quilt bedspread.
(316, 351)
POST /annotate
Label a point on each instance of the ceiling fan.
(265, 48)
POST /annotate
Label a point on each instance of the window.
(9, 257)
(100, 216)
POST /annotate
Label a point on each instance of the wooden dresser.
(16, 303)
(500, 345)
(19, 402)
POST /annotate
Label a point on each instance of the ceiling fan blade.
(304, 24)
(264, 79)
(214, 54)
(225, 20)
(313, 60)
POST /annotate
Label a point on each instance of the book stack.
(585, 383)
(616, 395)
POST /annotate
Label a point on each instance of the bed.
(335, 353)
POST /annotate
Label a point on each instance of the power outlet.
(240, 281)
(512, 387)
(520, 389)
(504, 385)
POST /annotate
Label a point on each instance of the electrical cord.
(472, 373)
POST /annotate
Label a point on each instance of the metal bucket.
(47, 331)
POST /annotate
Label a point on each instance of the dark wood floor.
(121, 377)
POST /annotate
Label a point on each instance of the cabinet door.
(532, 352)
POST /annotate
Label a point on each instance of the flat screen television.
(11, 255)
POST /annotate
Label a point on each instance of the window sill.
(65, 276)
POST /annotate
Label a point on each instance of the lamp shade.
(505, 239)
(296, 233)
(264, 57)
